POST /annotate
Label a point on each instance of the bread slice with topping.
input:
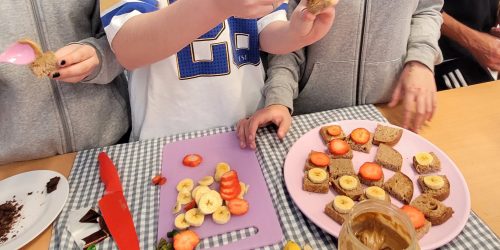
(400, 186)
(334, 214)
(388, 157)
(387, 135)
(339, 167)
(354, 193)
(327, 137)
(316, 180)
(423, 165)
(439, 194)
(309, 164)
(435, 211)
(365, 148)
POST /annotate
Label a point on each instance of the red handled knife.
(114, 207)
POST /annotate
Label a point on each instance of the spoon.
(18, 53)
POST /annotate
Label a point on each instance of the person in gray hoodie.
(81, 105)
(377, 51)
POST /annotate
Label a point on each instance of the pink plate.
(312, 204)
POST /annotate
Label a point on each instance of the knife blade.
(114, 208)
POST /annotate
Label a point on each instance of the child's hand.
(247, 128)
(248, 9)
(309, 27)
(75, 62)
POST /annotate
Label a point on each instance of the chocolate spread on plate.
(9, 215)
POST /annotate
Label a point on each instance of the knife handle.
(109, 175)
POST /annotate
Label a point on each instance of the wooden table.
(464, 126)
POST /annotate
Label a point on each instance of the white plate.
(39, 209)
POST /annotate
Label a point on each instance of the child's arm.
(304, 28)
(141, 34)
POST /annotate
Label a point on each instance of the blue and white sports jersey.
(214, 81)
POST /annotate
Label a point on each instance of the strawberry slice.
(230, 175)
(192, 160)
(319, 159)
(191, 204)
(334, 130)
(237, 206)
(417, 218)
(186, 240)
(338, 147)
(360, 135)
(371, 171)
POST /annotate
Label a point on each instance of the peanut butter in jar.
(377, 225)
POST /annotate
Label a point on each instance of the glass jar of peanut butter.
(374, 224)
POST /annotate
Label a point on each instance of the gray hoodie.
(43, 117)
(359, 60)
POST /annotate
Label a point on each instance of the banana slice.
(209, 202)
(424, 158)
(220, 169)
(194, 217)
(185, 184)
(343, 204)
(221, 215)
(348, 182)
(177, 208)
(375, 192)
(180, 222)
(184, 197)
(244, 190)
(317, 175)
(434, 181)
(200, 192)
(203, 189)
(206, 181)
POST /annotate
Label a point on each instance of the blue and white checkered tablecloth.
(137, 162)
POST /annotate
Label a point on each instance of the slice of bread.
(389, 158)
(339, 167)
(353, 194)
(438, 194)
(435, 165)
(421, 231)
(365, 148)
(400, 186)
(327, 137)
(309, 165)
(347, 155)
(435, 211)
(310, 186)
(334, 214)
(378, 183)
(387, 135)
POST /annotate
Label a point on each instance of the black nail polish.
(63, 62)
(56, 75)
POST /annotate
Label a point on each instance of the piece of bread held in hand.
(316, 6)
(44, 63)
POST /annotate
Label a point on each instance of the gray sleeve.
(108, 68)
(425, 32)
(283, 75)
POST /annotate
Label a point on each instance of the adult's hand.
(75, 62)
(416, 88)
(276, 114)
(486, 49)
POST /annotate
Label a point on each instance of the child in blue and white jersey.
(195, 64)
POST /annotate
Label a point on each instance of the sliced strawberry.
(186, 240)
(371, 171)
(191, 204)
(338, 147)
(237, 206)
(334, 130)
(417, 218)
(319, 159)
(192, 160)
(230, 175)
(360, 135)
(230, 192)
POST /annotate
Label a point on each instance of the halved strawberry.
(237, 206)
(319, 159)
(371, 171)
(417, 218)
(192, 160)
(338, 147)
(334, 130)
(186, 240)
(360, 135)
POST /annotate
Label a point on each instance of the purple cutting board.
(217, 148)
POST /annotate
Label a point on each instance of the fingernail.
(63, 62)
(56, 75)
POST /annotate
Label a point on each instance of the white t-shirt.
(214, 81)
